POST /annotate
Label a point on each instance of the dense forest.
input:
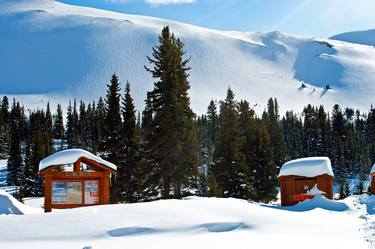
(167, 151)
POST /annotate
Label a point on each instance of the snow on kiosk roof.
(307, 167)
(70, 156)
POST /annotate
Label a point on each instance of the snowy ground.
(197, 223)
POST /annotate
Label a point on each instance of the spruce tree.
(128, 172)
(230, 170)
(293, 135)
(14, 165)
(265, 180)
(171, 140)
(276, 132)
(48, 125)
(58, 124)
(112, 121)
(4, 127)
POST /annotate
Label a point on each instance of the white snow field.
(197, 223)
(55, 52)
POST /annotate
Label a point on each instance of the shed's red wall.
(291, 185)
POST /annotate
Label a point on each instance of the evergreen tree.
(4, 127)
(112, 121)
(100, 123)
(130, 143)
(58, 124)
(171, 139)
(230, 169)
(310, 132)
(293, 135)
(276, 132)
(48, 126)
(265, 180)
(72, 134)
(14, 165)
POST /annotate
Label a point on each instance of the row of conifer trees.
(166, 151)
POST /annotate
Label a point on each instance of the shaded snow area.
(3, 178)
(3, 172)
(197, 223)
(9, 205)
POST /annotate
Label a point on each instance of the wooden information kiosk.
(75, 178)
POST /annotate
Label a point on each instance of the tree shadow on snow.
(317, 202)
(214, 227)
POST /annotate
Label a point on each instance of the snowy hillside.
(366, 37)
(197, 223)
(53, 51)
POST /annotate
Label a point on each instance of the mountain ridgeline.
(167, 151)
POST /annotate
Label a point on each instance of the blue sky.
(303, 17)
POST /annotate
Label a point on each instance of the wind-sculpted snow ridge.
(190, 223)
(52, 51)
(9, 205)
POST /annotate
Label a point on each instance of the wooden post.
(105, 191)
(77, 166)
(47, 193)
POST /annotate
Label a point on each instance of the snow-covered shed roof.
(308, 167)
(70, 156)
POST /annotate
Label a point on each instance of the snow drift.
(190, 223)
(9, 205)
(53, 51)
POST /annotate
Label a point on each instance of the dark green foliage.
(272, 119)
(293, 135)
(4, 127)
(15, 162)
(72, 135)
(265, 175)
(170, 139)
(58, 131)
(127, 181)
(229, 169)
(112, 121)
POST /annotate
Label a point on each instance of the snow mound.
(9, 205)
(318, 201)
(369, 202)
(308, 167)
(191, 223)
(71, 156)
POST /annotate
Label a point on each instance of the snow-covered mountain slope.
(366, 37)
(53, 51)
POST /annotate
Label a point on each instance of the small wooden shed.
(372, 178)
(299, 176)
(75, 178)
